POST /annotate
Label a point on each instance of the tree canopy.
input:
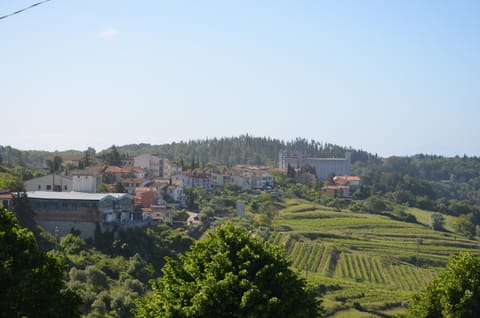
(230, 274)
(31, 282)
(455, 293)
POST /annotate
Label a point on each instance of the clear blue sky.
(390, 77)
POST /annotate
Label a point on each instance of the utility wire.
(24, 9)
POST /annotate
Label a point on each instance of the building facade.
(156, 165)
(323, 166)
(56, 183)
(59, 212)
(83, 181)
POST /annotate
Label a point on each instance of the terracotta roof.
(95, 169)
(343, 180)
(134, 180)
(113, 169)
(6, 196)
(143, 189)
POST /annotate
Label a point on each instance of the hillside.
(366, 263)
(244, 149)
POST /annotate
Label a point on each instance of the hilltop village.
(145, 188)
(366, 233)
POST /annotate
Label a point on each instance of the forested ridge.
(244, 149)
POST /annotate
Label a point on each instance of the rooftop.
(49, 195)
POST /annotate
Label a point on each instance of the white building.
(323, 166)
(57, 183)
(83, 181)
(156, 165)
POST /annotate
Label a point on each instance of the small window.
(49, 187)
(65, 188)
(39, 187)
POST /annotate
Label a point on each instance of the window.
(39, 187)
(49, 187)
(65, 188)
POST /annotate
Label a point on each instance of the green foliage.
(31, 282)
(455, 293)
(206, 215)
(437, 221)
(55, 164)
(152, 244)
(102, 188)
(244, 149)
(23, 211)
(11, 182)
(106, 284)
(375, 204)
(230, 274)
(112, 157)
(114, 271)
(464, 225)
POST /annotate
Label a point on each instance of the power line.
(24, 9)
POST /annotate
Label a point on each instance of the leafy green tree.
(375, 204)
(23, 211)
(455, 293)
(206, 215)
(465, 226)
(112, 157)
(55, 164)
(230, 274)
(10, 182)
(437, 221)
(31, 282)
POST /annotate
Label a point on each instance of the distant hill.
(244, 149)
(227, 151)
(32, 158)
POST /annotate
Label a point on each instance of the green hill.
(369, 264)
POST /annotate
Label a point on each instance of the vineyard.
(369, 265)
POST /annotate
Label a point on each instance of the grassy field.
(369, 264)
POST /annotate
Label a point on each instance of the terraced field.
(369, 264)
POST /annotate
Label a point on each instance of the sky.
(389, 77)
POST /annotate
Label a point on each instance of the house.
(175, 192)
(5, 198)
(145, 196)
(112, 174)
(134, 172)
(131, 184)
(241, 181)
(219, 179)
(352, 181)
(158, 213)
(174, 168)
(51, 182)
(247, 177)
(156, 165)
(59, 212)
(194, 178)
